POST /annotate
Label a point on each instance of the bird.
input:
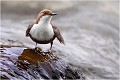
(42, 31)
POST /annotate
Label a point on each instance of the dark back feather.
(58, 34)
(28, 30)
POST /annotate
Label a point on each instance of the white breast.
(42, 31)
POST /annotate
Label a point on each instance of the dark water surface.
(91, 33)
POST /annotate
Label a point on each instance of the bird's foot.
(41, 52)
(45, 52)
(51, 54)
(49, 50)
(37, 50)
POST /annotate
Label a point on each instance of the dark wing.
(57, 34)
(28, 30)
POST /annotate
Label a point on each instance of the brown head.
(42, 13)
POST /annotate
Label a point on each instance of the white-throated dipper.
(42, 31)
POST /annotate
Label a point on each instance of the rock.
(24, 63)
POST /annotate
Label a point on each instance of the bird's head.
(45, 14)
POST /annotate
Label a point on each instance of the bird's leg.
(50, 52)
(51, 45)
(36, 48)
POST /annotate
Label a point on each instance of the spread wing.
(28, 30)
(57, 34)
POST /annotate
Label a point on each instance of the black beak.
(54, 14)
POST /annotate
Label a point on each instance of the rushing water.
(91, 33)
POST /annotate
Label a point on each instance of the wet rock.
(21, 63)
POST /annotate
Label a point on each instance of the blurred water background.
(90, 30)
